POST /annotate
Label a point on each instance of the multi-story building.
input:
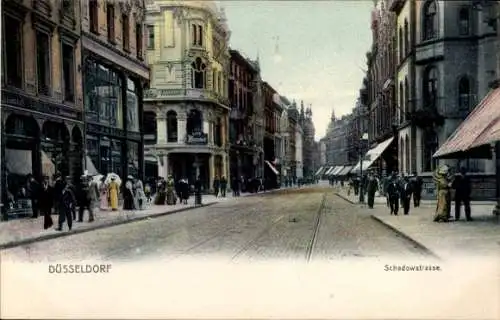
(358, 124)
(114, 75)
(279, 114)
(305, 121)
(42, 129)
(244, 153)
(322, 152)
(299, 151)
(381, 99)
(189, 59)
(284, 134)
(271, 174)
(292, 152)
(448, 63)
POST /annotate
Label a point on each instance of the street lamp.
(364, 137)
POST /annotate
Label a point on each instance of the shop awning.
(327, 172)
(150, 159)
(480, 128)
(276, 172)
(344, 171)
(90, 167)
(372, 155)
(336, 170)
(18, 161)
(320, 170)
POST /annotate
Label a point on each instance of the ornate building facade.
(114, 75)
(42, 123)
(308, 152)
(189, 58)
(271, 130)
(245, 149)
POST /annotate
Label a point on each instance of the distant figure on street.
(223, 186)
(406, 192)
(235, 186)
(197, 191)
(113, 190)
(104, 195)
(443, 186)
(140, 196)
(171, 199)
(462, 186)
(372, 189)
(128, 194)
(184, 190)
(45, 203)
(417, 190)
(34, 194)
(393, 190)
(67, 203)
(216, 186)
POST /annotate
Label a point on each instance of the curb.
(51, 236)
(345, 198)
(407, 237)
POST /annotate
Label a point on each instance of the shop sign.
(197, 138)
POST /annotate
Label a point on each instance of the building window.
(12, 45)
(132, 107)
(197, 35)
(43, 62)
(110, 19)
(194, 122)
(407, 155)
(68, 72)
(126, 32)
(151, 37)
(430, 86)
(430, 20)
(401, 102)
(407, 37)
(171, 126)
(407, 96)
(198, 74)
(464, 21)
(430, 143)
(194, 32)
(138, 40)
(67, 8)
(464, 91)
(93, 16)
(200, 36)
(218, 132)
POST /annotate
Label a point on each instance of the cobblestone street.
(278, 225)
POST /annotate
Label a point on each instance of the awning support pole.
(496, 211)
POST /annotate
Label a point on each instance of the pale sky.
(321, 49)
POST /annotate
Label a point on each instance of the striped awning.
(372, 155)
(273, 169)
(336, 170)
(319, 171)
(481, 127)
(344, 171)
(329, 170)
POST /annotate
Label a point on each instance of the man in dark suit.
(462, 187)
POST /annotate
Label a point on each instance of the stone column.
(206, 129)
(211, 170)
(161, 131)
(181, 128)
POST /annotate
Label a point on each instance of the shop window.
(43, 68)
(132, 107)
(133, 158)
(12, 45)
(171, 126)
(68, 72)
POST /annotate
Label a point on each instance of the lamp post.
(364, 137)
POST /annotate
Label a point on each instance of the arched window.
(430, 86)
(400, 40)
(430, 144)
(407, 96)
(401, 102)
(198, 74)
(464, 21)
(407, 155)
(407, 36)
(218, 132)
(464, 93)
(430, 20)
(171, 126)
(194, 122)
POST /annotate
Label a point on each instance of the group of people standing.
(168, 191)
(401, 189)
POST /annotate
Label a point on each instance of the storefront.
(113, 108)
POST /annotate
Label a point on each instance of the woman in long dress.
(140, 195)
(103, 191)
(113, 190)
(128, 195)
(443, 185)
(171, 200)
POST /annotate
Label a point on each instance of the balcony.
(185, 94)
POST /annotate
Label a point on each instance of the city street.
(278, 225)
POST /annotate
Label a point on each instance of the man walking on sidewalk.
(406, 192)
(462, 187)
(417, 189)
(393, 191)
(371, 189)
(66, 206)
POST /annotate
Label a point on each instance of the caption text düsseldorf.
(79, 268)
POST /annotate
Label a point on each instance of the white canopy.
(372, 155)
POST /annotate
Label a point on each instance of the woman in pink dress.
(103, 191)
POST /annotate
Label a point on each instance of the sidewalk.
(478, 238)
(23, 231)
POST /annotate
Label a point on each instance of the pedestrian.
(184, 190)
(406, 192)
(139, 194)
(87, 195)
(59, 186)
(171, 198)
(67, 203)
(113, 190)
(223, 186)
(197, 191)
(393, 191)
(147, 193)
(443, 185)
(128, 194)
(104, 195)
(216, 186)
(33, 189)
(417, 190)
(462, 186)
(372, 188)
(45, 202)
(161, 193)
